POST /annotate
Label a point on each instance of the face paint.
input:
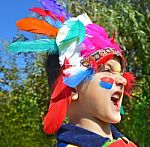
(106, 82)
(118, 68)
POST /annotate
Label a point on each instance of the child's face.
(101, 97)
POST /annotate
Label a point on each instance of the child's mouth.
(115, 98)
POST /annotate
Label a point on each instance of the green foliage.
(22, 108)
(133, 29)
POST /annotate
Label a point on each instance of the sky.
(10, 12)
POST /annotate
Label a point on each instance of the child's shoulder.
(122, 142)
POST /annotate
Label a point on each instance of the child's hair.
(52, 69)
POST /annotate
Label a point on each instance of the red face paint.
(106, 82)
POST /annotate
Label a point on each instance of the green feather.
(42, 45)
(77, 30)
(122, 110)
(75, 33)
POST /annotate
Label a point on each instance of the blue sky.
(10, 12)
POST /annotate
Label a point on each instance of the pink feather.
(96, 29)
(96, 39)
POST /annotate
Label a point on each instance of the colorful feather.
(52, 19)
(55, 8)
(97, 39)
(70, 35)
(120, 143)
(113, 38)
(41, 12)
(45, 13)
(59, 104)
(75, 80)
(96, 30)
(77, 30)
(104, 59)
(130, 83)
(37, 26)
(56, 24)
(122, 112)
(42, 45)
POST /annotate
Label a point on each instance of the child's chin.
(116, 120)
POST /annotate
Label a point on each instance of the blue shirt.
(70, 134)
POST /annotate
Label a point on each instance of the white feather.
(74, 70)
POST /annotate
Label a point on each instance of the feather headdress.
(82, 47)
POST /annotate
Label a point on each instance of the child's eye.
(106, 70)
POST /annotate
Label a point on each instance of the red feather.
(39, 11)
(121, 143)
(59, 103)
(113, 38)
(130, 83)
(37, 26)
(104, 59)
(45, 13)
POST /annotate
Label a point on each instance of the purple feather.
(54, 7)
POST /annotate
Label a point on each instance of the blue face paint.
(106, 82)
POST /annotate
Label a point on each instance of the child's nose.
(120, 81)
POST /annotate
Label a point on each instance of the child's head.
(92, 80)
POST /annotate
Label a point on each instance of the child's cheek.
(106, 82)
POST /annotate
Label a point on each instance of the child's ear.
(74, 95)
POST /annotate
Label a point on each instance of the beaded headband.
(97, 55)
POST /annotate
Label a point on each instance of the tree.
(24, 102)
(133, 34)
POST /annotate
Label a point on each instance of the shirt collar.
(75, 135)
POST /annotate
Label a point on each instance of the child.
(91, 82)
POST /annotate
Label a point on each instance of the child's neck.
(96, 126)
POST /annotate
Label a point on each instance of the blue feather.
(42, 45)
(75, 80)
(55, 23)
